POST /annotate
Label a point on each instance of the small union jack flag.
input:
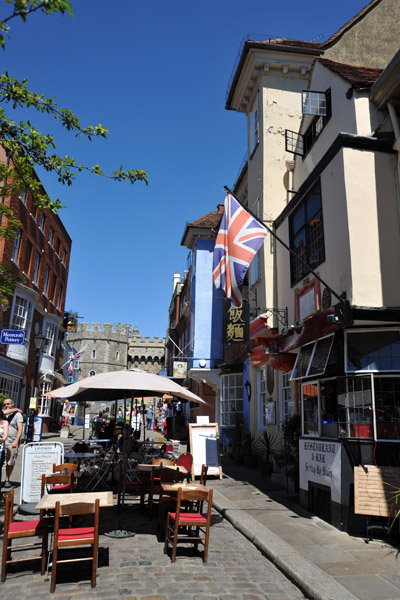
(239, 238)
(74, 356)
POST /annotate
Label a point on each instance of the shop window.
(231, 398)
(377, 350)
(387, 407)
(266, 407)
(310, 404)
(286, 404)
(354, 397)
(313, 358)
(306, 233)
(328, 408)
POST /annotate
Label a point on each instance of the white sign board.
(320, 462)
(204, 446)
(202, 420)
(38, 458)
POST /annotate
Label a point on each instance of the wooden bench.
(377, 493)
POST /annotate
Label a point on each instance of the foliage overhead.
(27, 148)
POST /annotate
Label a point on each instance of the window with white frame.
(36, 268)
(50, 333)
(254, 125)
(231, 397)
(59, 296)
(44, 402)
(10, 386)
(51, 236)
(286, 402)
(42, 219)
(46, 280)
(261, 396)
(22, 314)
(15, 249)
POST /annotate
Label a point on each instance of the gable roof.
(360, 15)
(356, 76)
(210, 221)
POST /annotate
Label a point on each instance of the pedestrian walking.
(3, 437)
(15, 428)
(149, 418)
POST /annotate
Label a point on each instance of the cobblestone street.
(137, 568)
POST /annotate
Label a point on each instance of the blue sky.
(155, 74)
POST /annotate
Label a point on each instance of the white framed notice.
(38, 458)
(204, 446)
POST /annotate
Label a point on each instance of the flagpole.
(341, 300)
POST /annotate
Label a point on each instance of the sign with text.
(235, 323)
(320, 462)
(204, 446)
(38, 458)
(12, 336)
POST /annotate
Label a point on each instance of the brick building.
(39, 256)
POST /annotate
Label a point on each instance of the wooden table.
(48, 501)
(171, 488)
(146, 468)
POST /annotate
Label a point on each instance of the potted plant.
(268, 449)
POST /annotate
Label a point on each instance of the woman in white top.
(3, 436)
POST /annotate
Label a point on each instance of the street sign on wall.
(12, 336)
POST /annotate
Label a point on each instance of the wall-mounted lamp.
(248, 390)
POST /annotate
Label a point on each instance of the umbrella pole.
(121, 533)
(84, 419)
(144, 429)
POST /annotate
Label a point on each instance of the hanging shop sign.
(235, 323)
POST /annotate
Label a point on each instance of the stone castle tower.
(114, 347)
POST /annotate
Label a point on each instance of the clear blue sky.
(155, 74)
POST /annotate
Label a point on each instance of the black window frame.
(317, 125)
(302, 222)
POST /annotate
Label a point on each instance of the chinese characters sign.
(235, 323)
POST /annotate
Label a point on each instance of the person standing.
(149, 418)
(3, 437)
(168, 417)
(15, 428)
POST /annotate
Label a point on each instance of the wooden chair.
(58, 484)
(203, 475)
(134, 486)
(156, 478)
(22, 529)
(71, 468)
(185, 460)
(167, 502)
(75, 536)
(198, 526)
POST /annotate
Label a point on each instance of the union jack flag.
(72, 357)
(239, 238)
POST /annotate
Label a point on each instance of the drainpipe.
(396, 146)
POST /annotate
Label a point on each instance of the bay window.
(231, 397)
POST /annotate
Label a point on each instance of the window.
(64, 257)
(57, 245)
(313, 103)
(310, 404)
(261, 397)
(387, 407)
(286, 404)
(22, 315)
(231, 397)
(52, 288)
(254, 126)
(377, 350)
(354, 396)
(42, 219)
(92, 373)
(46, 280)
(319, 121)
(50, 334)
(36, 268)
(307, 235)
(16, 246)
(93, 353)
(117, 355)
(22, 196)
(312, 358)
(51, 236)
(59, 296)
(10, 387)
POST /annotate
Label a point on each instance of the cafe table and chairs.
(134, 483)
(19, 530)
(58, 483)
(98, 470)
(189, 527)
(158, 475)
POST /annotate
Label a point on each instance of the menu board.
(204, 446)
(38, 458)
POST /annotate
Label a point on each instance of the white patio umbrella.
(127, 383)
